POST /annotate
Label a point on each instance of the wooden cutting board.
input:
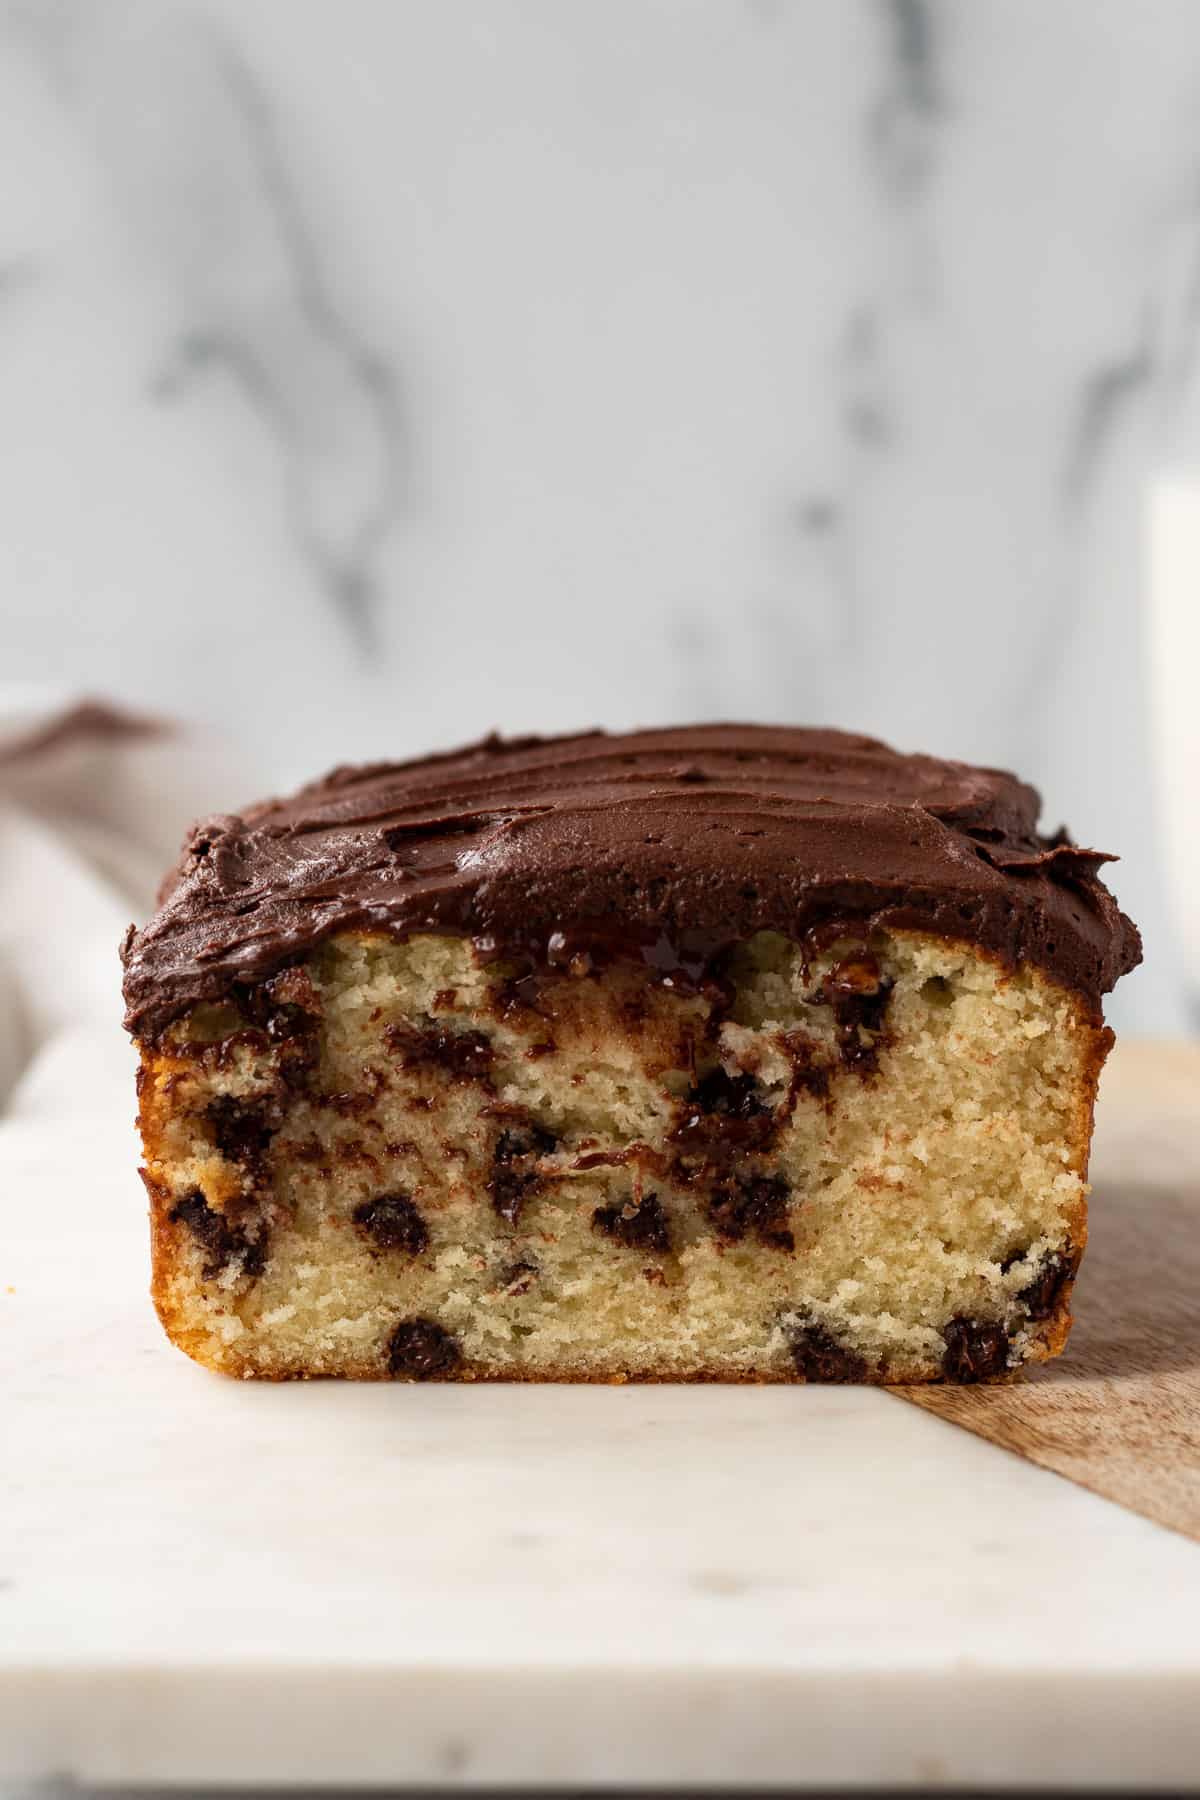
(1120, 1411)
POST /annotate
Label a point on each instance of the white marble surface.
(203, 1581)
(377, 373)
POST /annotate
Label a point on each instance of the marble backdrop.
(377, 372)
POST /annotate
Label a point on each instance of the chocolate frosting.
(664, 838)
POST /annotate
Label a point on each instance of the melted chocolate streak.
(668, 844)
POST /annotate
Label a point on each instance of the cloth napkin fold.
(94, 803)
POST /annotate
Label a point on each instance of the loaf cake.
(723, 1054)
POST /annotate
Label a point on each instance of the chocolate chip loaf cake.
(721, 1054)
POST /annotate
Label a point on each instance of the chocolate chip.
(293, 987)
(741, 1204)
(220, 1240)
(286, 1007)
(422, 1350)
(392, 1222)
(858, 992)
(287, 1023)
(1041, 1296)
(974, 1351)
(518, 1277)
(518, 992)
(466, 1055)
(357, 1102)
(525, 1139)
(728, 1096)
(724, 1109)
(512, 1179)
(243, 1129)
(642, 1228)
(809, 1074)
(254, 1256)
(210, 1229)
(819, 1357)
(509, 1189)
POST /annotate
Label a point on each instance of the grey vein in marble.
(300, 372)
(905, 115)
(866, 411)
(903, 129)
(902, 124)
(16, 276)
(1104, 394)
(183, 133)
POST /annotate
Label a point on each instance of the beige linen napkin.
(94, 802)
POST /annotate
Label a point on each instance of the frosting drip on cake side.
(682, 835)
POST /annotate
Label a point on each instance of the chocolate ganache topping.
(660, 840)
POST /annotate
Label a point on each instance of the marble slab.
(205, 1582)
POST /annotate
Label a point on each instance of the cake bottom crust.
(374, 1370)
(399, 1161)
